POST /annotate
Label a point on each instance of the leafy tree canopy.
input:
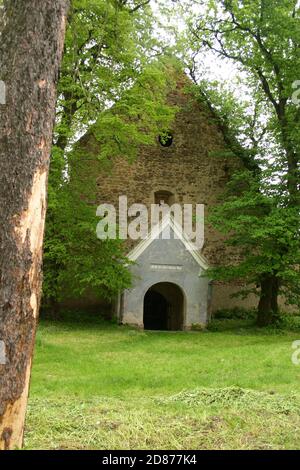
(260, 216)
(113, 88)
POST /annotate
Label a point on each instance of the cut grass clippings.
(102, 386)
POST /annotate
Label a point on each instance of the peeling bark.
(31, 45)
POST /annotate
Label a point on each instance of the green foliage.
(197, 327)
(75, 261)
(111, 87)
(236, 313)
(228, 324)
(260, 215)
(288, 322)
(263, 230)
(233, 384)
(109, 48)
(139, 116)
(239, 398)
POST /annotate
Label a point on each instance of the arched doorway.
(164, 307)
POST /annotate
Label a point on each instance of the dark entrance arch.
(164, 307)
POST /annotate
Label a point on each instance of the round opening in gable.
(166, 139)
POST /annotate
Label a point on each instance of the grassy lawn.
(102, 386)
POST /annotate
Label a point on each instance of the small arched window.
(164, 197)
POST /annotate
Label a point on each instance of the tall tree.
(108, 42)
(113, 88)
(261, 38)
(31, 46)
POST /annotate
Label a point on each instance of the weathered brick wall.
(186, 168)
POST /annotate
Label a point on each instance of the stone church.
(191, 166)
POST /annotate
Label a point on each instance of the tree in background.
(113, 89)
(261, 214)
(31, 46)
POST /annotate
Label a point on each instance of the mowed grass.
(102, 386)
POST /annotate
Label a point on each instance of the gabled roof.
(154, 234)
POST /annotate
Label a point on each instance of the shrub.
(236, 313)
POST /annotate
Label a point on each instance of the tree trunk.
(292, 164)
(31, 45)
(268, 302)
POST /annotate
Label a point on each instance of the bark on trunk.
(31, 45)
(268, 302)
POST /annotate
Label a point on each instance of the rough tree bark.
(31, 45)
(268, 303)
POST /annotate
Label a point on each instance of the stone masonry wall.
(195, 168)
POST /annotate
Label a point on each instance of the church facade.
(191, 166)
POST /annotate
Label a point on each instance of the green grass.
(102, 386)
